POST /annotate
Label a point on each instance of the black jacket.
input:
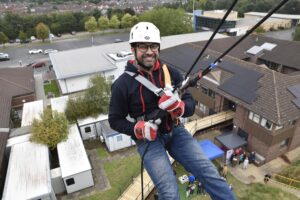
(130, 97)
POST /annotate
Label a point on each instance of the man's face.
(147, 54)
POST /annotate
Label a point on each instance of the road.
(281, 34)
(19, 53)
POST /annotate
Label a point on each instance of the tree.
(103, 23)
(94, 101)
(169, 21)
(127, 21)
(22, 36)
(91, 26)
(296, 34)
(114, 22)
(51, 129)
(42, 31)
(260, 30)
(3, 38)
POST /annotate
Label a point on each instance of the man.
(132, 102)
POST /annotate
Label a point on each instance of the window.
(70, 181)
(250, 115)
(266, 124)
(87, 129)
(284, 143)
(119, 138)
(204, 90)
(256, 118)
(202, 107)
(211, 93)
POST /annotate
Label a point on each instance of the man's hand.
(171, 103)
(145, 130)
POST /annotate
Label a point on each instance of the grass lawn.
(52, 87)
(293, 172)
(120, 174)
(102, 153)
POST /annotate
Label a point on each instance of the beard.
(147, 62)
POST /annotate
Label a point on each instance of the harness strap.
(145, 82)
(167, 76)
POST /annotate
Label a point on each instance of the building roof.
(90, 120)
(285, 52)
(28, 174)
(31, 110)
(59, 104)
(90, 60)
(272, 97)
(231, 140)
(72, 155)
(275, 15)
(13, 82)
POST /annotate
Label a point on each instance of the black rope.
(211, 37)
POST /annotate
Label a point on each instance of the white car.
(35, 51)
(4, 56)
(47, 51)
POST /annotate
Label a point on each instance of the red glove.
(171, 103)
(145, 130)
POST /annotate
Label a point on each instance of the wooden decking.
(133, 192)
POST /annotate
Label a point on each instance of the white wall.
(74, 84)
(82, 180)
(57, 181)
(113, 144)
(92, 134)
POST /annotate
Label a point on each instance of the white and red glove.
(171, 103)
(145, 130)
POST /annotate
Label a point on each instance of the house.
(28, 174)
(265, 101)
(17, 87)
(74, 68)
(279, 55)
(76, 170)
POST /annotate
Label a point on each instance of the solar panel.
(295, 90)
(242, 85)
(297, 102)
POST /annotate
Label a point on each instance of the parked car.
(117, 40)
(38, 64)
(4, 56)
(35, 51)
(47, 51)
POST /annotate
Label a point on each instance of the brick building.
(266, 101)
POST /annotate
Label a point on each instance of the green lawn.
(102, 153)
(120, 174)
(52, 87)
(293, 172)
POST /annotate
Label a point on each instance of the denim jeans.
(186, 151)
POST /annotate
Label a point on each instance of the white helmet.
(144, 32)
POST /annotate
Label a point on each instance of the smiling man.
(134, 100)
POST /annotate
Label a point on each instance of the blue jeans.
(185, 150)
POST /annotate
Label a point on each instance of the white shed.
(59, 104)
(90, 127)
(28, 173)
(75, 167)
(31, 110)
(113, 139)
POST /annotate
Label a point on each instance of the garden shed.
(76, 170)
(28, 173)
